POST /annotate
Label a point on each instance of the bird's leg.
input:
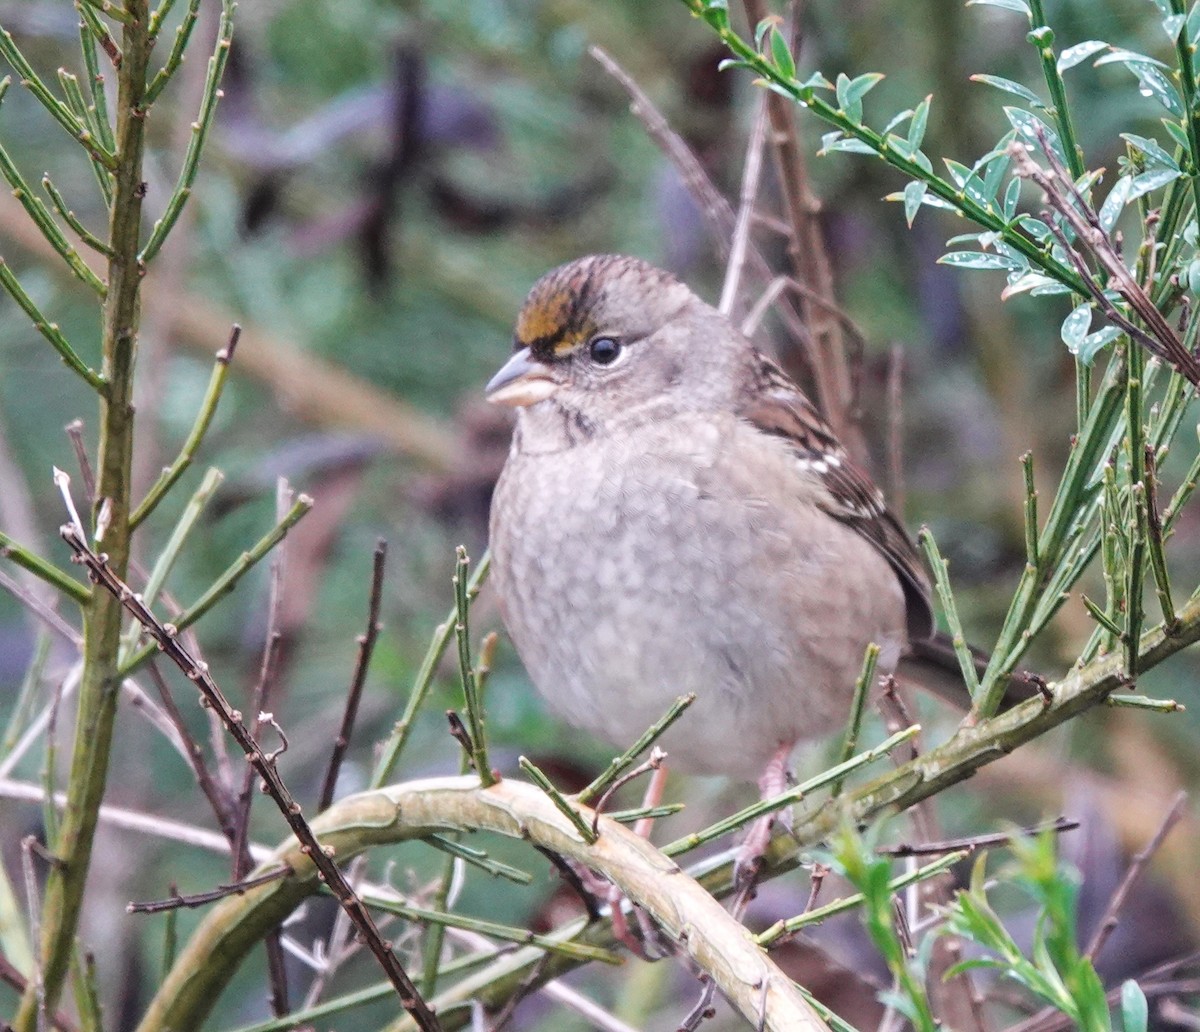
(753, 849)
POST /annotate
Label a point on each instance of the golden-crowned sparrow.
(674, 516)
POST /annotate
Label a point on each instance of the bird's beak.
(521, 381)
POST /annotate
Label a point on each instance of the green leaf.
(1192, 275)
(1115, 203)
(1012, 194)
(816, 81)
(1036, 284)
(1172, 24)
(1091, 345)
(1090, 998)
(914, 194)
(850, 93)
(761, 30)
(1134, 1014)
(930, 200)
(996, 168)
(1152, 152)
(977, 260)
(958, 171)
(1008, 86)
(1008, 5)
(1130, 58)
(1076, 325)
(785, 64)
(1176, 132)
(1152, 83)
(1079, 53)
(837, 141)
(896, 120)
(716, 13)
(1147, 182)
(916, 130)
(1079, 341)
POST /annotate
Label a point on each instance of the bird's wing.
(778, 407)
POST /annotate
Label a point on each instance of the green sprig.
(50, 331)
(560, 801)
(200, 129)
(204, 417)
(226, 582)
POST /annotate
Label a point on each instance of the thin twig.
(164, 639)
(389, 754)
(974, 842)
(208, 408)
(751, 173)
(1064, 197)
(828, 355)
(74, 431)
(476, 718)
(718, 213)
(366, 647)
(202, 899)
(652, 734)
(219, 797)
(1112, 914)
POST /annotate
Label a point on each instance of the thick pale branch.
(689, 915)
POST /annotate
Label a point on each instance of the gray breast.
(633, 572)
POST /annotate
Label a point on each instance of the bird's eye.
(604, 350)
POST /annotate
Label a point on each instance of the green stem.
(1074, 492)
(98, 109)
(44, 221)
(1135, 568)
(224, 583)
(100, 681)
(200, 128)
(862, 688)
(507, 933)
(116, 12)
(894, 155)
(178, 46)
(833, 776)
(1185, 48)
(476, 723)
(72, 220)
(389, 755)
(792, 925)
(1042, 37)
(58, 110)
(941, 579)
(208, 409)
(623, 762)
(39, 567)
(50, 331)
(560, 801)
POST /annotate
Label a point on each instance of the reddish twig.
(201, 899)
(366, 647)
(1112, 914)
(974, 842)
(74, 430)
(1061, 193)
